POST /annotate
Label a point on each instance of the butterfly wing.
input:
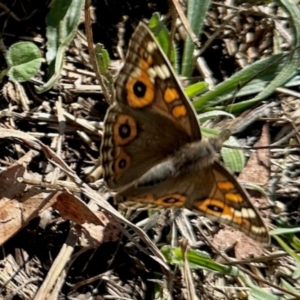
(147, 81)
(150, 118)
(229, 203)
(209, 190)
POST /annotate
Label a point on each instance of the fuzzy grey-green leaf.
(24, 60)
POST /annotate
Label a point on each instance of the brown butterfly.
(152, 152)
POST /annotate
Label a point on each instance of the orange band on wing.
(225, 185)
(169, 201)
(179, 111)
(173, 200)
(234, 197)
(219, 209)
(170, 95)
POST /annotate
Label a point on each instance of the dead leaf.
(95, 235)
(17, 205)
(97, 228)
(73, 209)
(15, 214)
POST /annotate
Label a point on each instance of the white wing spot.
(248, 213)
(237, 213)
(136, 73)
(226, 217)
(166, 71)
(152, 74)
(151, 47)
(258, 230)
(159, 72)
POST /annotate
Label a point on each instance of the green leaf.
(201, 260)
(289, 70)
(24, 60)
(285, 284)
(58, 10)
(257, 293)
(234, 159)
(103, 59)
(163, 38)
(255, 187)
(3, 73)
(281, 67)
(195, 15)
(211, 114)
(197, 260)
(241, 78)
(281, 78)
(62, 22)
(195, 89)
(280, 231)
(292, 253)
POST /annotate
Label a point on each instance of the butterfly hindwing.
(208, 189)
(229, 203)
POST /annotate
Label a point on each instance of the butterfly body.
(152, 151)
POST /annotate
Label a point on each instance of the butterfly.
(152, 151)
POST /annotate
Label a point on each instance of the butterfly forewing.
(133, 142)
(150, 83)
(150, 118)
